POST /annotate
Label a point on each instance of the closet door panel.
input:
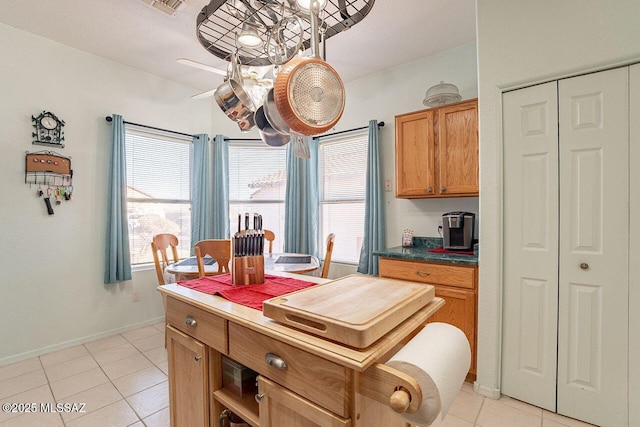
(593, 257)
(530, 245)
(634, 247)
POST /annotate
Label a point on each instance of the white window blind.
(257, 184)
(158, 191)
(343, 167)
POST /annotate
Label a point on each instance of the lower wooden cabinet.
(188, 380)
(280, 407)
(456, 284)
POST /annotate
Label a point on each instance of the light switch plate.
(387, 185)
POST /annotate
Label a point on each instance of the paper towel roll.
(439, 358)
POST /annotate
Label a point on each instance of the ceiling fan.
(260, 76)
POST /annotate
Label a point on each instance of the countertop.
(420, 252)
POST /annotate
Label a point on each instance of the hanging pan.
(308, 92)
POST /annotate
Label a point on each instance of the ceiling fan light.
(305, 5)
(249, 36)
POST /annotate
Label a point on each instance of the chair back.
(220, 249)
(327, 257)
(159, 245)
(270, 236)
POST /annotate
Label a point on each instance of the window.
(158, 191)
(257, 184)
(343, 168)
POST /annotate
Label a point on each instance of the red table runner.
(248, 295)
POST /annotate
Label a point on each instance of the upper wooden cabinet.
(437, 152)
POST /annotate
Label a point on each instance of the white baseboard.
(493, 393)
(49, 349)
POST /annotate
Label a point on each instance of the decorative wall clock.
(48, 129)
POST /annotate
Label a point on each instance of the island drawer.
(200, 324)
(319, 380)
(425, 272)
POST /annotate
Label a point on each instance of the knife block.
(247, 270)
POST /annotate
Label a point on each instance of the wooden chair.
(160, 243)
(220, 249)
(270, 236)
(327, 257)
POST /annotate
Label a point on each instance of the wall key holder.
(53, 175)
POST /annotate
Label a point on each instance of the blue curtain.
(118, 258)
(220, 188)
(201, 188)
(302, 202)
(374, 232)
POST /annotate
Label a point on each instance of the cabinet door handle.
(275, 361)
(190, 320)
(429, 190)
(197, 358)
(443, 189)
(584, 266)
(423, 273)
(259, 397)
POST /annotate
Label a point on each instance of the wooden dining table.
(276, 262)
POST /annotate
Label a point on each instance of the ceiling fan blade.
(201, 66)
(204, 94)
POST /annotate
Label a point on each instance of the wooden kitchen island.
(304, 380)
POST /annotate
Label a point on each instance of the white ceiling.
(133, 33)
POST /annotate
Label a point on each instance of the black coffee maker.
(458, 230)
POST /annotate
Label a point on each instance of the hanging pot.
(268, 134)
(308, 92)
(273, 115)
(233, 100)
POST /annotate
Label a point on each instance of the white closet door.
(594, 232)
(530, 294)
(634, 247)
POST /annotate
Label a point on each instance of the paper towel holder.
(391, 387)
(400, 400)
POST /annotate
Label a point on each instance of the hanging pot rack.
(219, 22)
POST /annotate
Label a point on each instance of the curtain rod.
(110, 119)
(380, 124)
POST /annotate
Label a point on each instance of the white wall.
(522, 42)
(52, 268)
(400, 90)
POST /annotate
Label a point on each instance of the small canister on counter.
(407, 238)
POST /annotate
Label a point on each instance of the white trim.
(492, 393)
(72, 343)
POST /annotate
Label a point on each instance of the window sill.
(143, 267)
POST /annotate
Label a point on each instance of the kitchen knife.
(239, 221)
(246, 220)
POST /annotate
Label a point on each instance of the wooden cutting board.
(355, 310)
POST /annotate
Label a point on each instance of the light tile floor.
(122, 379)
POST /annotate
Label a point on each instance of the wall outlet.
(387, 185)
(135, 296)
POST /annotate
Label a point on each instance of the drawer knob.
(422, 273)
(275, 361)
(584, 266)
(190, 320)
(259, 397)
